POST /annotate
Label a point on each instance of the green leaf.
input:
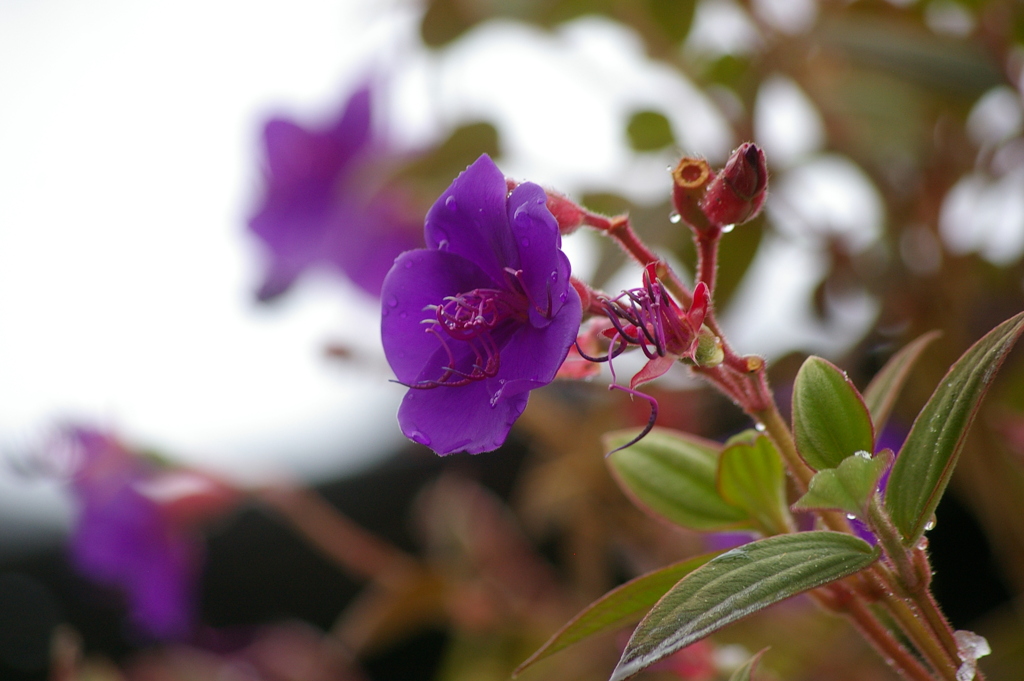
(751, 476)
(672, 475)
(930, 452)
(745, 672)
(649, 131)
(848, 487)
(739, 583)
(830, 420)
(881, 393)
(620, 606)
(673, 17)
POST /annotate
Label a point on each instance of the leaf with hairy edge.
(618, 607)
(739, 583)
(746, 672)
(847, 487)
(751, 476)
(881, 393)
(830, 420)
(672, 475)
(926, 461)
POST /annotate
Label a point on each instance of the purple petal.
(470, 220)
(371, 242)
(545, 269)
(454, 419)
(531, 357)
(352, 131)
(419, 279)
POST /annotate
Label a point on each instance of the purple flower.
(325, 204)
(482, 316)
(130, 533)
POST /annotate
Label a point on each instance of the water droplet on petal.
(674, 217)
(450, 204)
(403, 315)
(384, 312)
(728, 228)
(392, 301)
(522, 216)
(563, 297)
(850, 516)
(408, 264)
(525, 242)
(554, 276)
(417, 436)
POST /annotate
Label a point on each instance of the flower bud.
(567, 214)
(737, 193)
(708, 353)
(690, 180)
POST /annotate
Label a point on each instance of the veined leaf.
(620, 606)
(926, 461)
(881, 393)
(847, 487)
(751, 476)
(738, 583)
(672, 474)
(830, 421)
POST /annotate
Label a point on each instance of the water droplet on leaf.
(760, 427)
(728, 228)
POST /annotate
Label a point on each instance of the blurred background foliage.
(920, 102)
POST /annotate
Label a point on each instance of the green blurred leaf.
(881, 393)
(736, 252)
(830, 421)
(673, 17)
(913, 54)
(672, 475)
(444, 21)
(432, 172)
(848, 487)
(751, 476)
(926, 461)
(649, 131)
(738, 583)
(746, 671)
(618, 607)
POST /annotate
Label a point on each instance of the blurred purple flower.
(131, 530)
(482, 316)
(323, 203)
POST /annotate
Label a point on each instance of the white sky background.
(129, 160)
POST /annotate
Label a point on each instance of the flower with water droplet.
(326, 201)
(486, 322)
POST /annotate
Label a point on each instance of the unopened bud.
(737, 193)
(568, 215)
(690, 180)
(708, 353)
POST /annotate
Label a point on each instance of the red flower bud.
(690, 181)
(737, 193)
(567, 214)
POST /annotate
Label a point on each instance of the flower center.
(469, 321)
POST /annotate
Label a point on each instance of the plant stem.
(898, 657)
(909, 621)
